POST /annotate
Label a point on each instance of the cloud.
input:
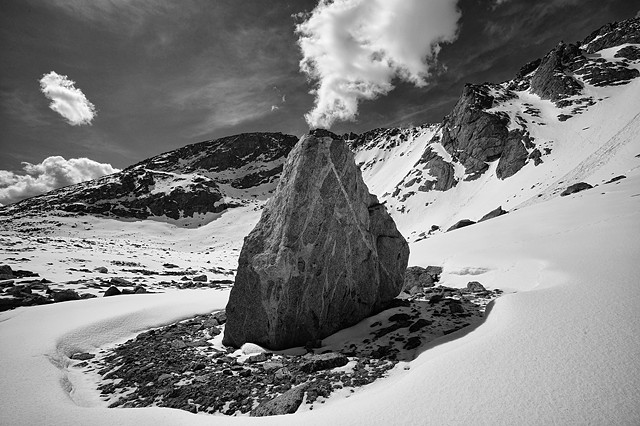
(226, 101)
(53, 172)
(66, 99)
(353, 49)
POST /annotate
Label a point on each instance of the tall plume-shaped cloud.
(54, 172)
(66, 99)
(353, 49)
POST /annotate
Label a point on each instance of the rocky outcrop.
(442, 171)
(177, 184)
(475, 137)
(631, 53)
(613, 34)
(551, 81)
(324, 255)
(471, 134)
(514, 155)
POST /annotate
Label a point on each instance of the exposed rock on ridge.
(177, 184)
(551, 81)
(324, 255)
(475, 137)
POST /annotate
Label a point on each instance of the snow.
(594, 145)
(562, 349)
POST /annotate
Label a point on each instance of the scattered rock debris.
(184, 365)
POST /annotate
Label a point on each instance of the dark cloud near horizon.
(167, 74)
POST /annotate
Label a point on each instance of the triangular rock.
(324, 255)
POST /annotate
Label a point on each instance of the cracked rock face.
(324, 255)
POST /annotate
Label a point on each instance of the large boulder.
(324, 255)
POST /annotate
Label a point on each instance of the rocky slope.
(206, 177)
(505, 145)
(501, 136)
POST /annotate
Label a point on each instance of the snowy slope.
(594, 145)
(562, 349)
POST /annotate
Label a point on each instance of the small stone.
(419, 324)
(82, 356)
(18, 291)
(399, 317)
(287, 403)
(461, 224)
(87, 296)
(576, 187)
(417, 276)
(220, 316)
(7, 283)
(120, 281)
(178, 344)
(324, 362)
(493, 213)
(282, 374)
(455, 307)
(261, 357)
(475, 287)
(101, 270)
(271, 366)
(65, 295)
(615, 179)
(6, 272)
(165, 376)
(252, 348)
(112, 291)
(200, 278)
(412, 343)
(435, 299)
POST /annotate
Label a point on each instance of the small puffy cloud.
(353, 49)
(66, 99)
(54, 172)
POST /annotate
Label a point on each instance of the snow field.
(560, 350)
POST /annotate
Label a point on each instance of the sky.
(88, 87)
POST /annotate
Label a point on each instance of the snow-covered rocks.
(324, 255)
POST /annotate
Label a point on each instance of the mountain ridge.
(494, 132)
